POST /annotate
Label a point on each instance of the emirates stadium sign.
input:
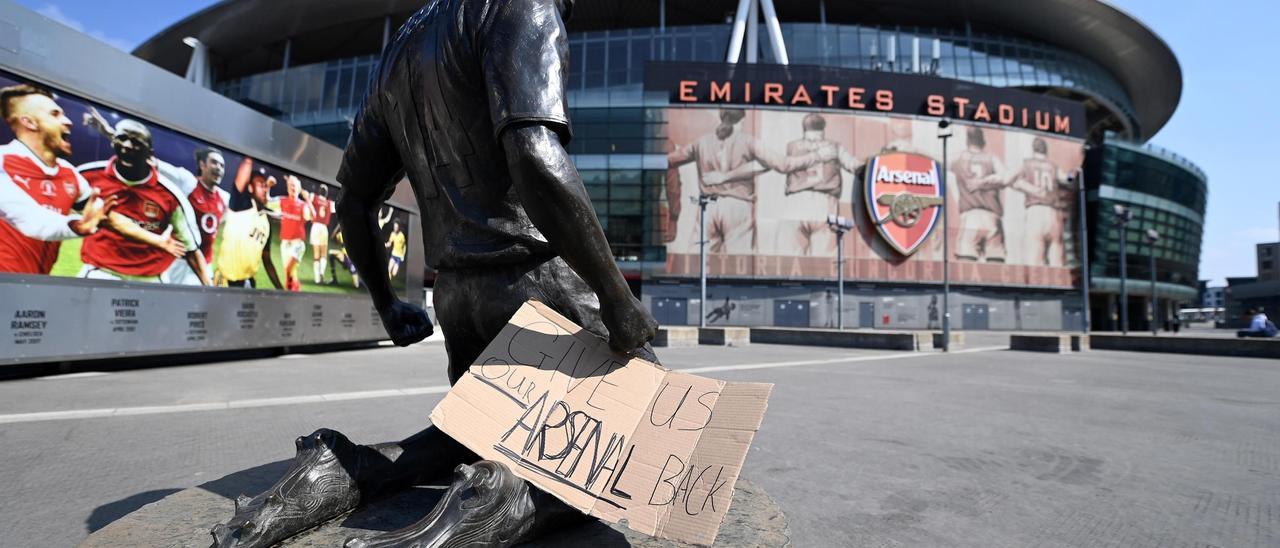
(904, 198)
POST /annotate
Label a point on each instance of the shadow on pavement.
(107, 513)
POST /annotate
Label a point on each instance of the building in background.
(307, 63)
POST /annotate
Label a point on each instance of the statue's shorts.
(473, 305)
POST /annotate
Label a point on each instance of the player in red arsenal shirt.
(322, 209)
(208, 201)
(38, 187)
(294, 214)
(153, 222)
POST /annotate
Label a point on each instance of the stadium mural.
(89, 192)
(778, 174)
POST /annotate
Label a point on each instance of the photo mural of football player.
(728, 161)
(38, 186)
(179, 198)
(1009, 201)
(295, 212)
(322, 210)
(814, 192)
(152, 224)
(979, 185)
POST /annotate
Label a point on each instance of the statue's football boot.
(487, 506)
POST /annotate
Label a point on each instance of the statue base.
(183, 519)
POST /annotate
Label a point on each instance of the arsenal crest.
(151, 209)
(903, 195)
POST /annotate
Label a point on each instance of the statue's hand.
(629, 324)
(406, 323)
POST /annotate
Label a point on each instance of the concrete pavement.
(860, 448)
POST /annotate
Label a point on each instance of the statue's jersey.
(457, 74)
(244, 236)
(55, 188)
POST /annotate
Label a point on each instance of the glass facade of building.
(607, 68)
(1166, 193)
(620, 134)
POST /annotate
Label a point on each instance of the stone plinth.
(183, 519)
(724, 336)
(672, 337)
(880, 340)
(1054, 344)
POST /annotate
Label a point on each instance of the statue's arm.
(558, 204)
(370, 168)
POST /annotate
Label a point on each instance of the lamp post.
(840, 225)
(1084, 249)
(1123, 215)
(702, 200)
(944, 133)
(1152, 238)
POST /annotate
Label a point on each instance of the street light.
(1123, 216)
(944, 133)
(1152, 238)
(1084, 246)
(702, 200)
(840, 225)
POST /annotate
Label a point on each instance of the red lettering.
(686, 91)
(982, 114)
(935, 105)
(746, 92)
(855, 98)
(1042, 122)
(773, 92)
(720, 93)
(884, 100)
(960, 102)
(1005, 114)
(801, 96)
(1062, 124)
(831, 94)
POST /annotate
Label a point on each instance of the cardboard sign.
(617, 439)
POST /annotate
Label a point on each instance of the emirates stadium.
(798, 142)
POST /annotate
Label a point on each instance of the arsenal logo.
(70, 187)
(903, 195)
(151, 209)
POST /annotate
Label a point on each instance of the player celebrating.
(207, 200)
(322, 209)
(294, 213)
(147, 201)
(245, 234)
(38, 187)
(395, 243)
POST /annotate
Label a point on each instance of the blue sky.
(1227, 122)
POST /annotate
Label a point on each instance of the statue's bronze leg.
(486, 507)
(329, 477)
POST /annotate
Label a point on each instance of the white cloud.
(54, 12)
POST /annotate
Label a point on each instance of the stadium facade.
(795, 125)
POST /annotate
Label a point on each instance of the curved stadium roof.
(251, 32)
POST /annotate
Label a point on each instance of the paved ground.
(985, 448)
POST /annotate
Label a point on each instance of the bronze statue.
(468, 102)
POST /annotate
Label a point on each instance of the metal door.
(975, 317)
(788, 313)
(671, 310)
(866, 315)
(1072, 319)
